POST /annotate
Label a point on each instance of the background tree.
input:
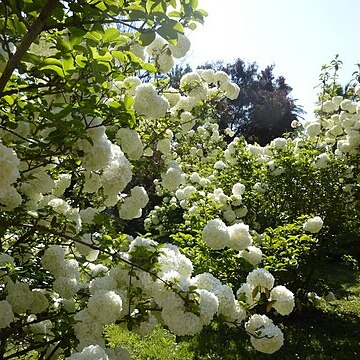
(264, 109)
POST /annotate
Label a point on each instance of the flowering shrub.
(78, 127)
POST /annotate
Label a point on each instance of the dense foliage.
(122, 203)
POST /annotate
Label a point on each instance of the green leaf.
(68, 64)
(173, 3)
(79, 59)
(179, 28)
(58, 70)
(149, 67)
(63, 43)
(93, 35)
(192, 26)
(138, 15)
(174, 14)
(119, 55)
(110, 35)
(31, 58)
(136, 7)
(170, 30)
(103, 56)
(53, 61)
(147, 38)
(9, 99)
(102, 66)
(128, 101)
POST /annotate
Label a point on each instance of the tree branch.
(28, 39)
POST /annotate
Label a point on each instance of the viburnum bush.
(121, 202)
(81, 127)
(287, 206)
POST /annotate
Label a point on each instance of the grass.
(329, 331)
(160, 344)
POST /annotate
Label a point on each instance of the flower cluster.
(217, 235)
(9, 164)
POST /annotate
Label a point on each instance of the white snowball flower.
(283, 298)
(181, 48)
(173, 96)
(147, 326)
(206, 281)
(313, 225)
(117, 173)
(19, 296)
(66, 287)
(105, 282)
(53, 259)
(245, 294)
(229, 216)
(172, 178)
(278, 143)
(337, 101)
(105, 306)
(215, 234)
(132, 206)
(140, 196)
(357, 90)
(181, 322)
(87, 329)
(322, 161)
(240, 237)
(227, 302)
(39, 301)
(87, 215)
(238, 189)
(187, 121)
(10, 199)
(164, 145)
(131, 83)
(161, 54)
(221, 78)
(252, 255)
(262, 278)
(60, 206)
(209, 304)
(329, 106)
(93, 182)
(9, 163)
(313, 128)
(130, 142)
(61, 184)
(265, 336)
(147, 102)
(219, 165)
(232, 90)
(207, 75)
(194, 85)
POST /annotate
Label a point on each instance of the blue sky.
(297, 36)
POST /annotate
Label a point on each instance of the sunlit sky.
(298, 36)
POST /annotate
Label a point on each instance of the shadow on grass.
(312, 334)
